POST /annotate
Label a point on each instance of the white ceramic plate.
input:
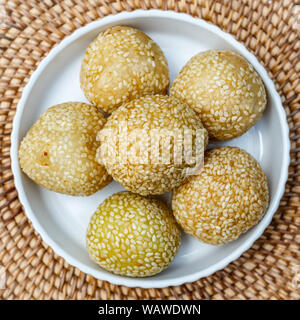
(62, 220)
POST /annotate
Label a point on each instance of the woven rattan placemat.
(29, 269)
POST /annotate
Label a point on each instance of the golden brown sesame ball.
(229, 196)
(224, 89)
(122, 64)
(58, 152)
(138, 145)
(132, 235)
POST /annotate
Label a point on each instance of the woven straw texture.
(269, 270)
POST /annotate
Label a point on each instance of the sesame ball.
(140, 144)
(122, 64)
(224, 89)
(58, 152)
(228, 197)
(132, 235)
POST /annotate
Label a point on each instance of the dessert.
(227, 198)
(224, 89)
(58, 152)
(122, 64)
(132, 235)
(152, 144)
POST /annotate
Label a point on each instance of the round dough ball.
(138, 145)
(224, 89)
(228, 197)
(122, 64)
(58, 152)
(132, 235)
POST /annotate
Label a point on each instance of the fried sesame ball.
(140, 144)
(132, 235)
(122, 64)
(58, 152)
(228, 197)
(224, 89)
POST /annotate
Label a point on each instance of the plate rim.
(149, 282)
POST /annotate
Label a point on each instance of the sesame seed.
(59, 150)
(216, 83)
(155, 119)
(121, 64)
(228, 197)
(133, 258)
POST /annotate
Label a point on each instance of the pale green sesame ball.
(227, 198)
(145, 123)
(224, 89)
(122, 64)
(58, 152)
(132, 235)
